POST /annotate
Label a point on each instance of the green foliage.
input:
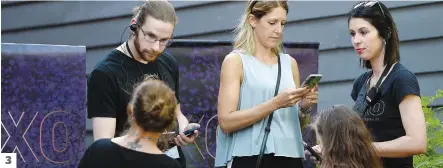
(434, 130)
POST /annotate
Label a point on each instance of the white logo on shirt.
(378, 108)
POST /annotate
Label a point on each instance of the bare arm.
(182, 120)
(102, 98)
(295, 72)
(103, 127)
(414, 142)
(296, 76)
(228, 117)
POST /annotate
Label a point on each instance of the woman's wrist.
(306, 104)
(272, 104)
(305, 107)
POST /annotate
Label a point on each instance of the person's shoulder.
(403, 82)
(102, 144)
(101, 153)
(402, 75)
(358, 83)
(170, 162)
(108, 65)
(400, 72)
(167, 59)
(176, 164)
(362, 77)
(112, 60)
(291, 59)
(233, 58)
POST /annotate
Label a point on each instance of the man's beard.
(145, 54)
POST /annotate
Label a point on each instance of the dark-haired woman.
(387, 96)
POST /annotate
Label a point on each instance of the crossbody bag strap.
(268, 125)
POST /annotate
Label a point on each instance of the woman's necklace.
(264, 61)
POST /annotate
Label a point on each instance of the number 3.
(8, 160)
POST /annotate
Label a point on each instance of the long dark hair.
(346, 141)
(379, 16)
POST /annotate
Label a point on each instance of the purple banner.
(199, 66)
(43, 104)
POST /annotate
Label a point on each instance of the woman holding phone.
(387, 96)
(249, 76)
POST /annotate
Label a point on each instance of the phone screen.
(312, 80)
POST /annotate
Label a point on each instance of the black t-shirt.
(383, 118)
(107, 154)
(111, 83)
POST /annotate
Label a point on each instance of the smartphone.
(170, 136)
(189, 132)
(312, 80)
(312, 151)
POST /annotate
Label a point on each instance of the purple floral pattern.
(199, 66)
(43, 104)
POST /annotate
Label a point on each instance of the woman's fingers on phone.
(314, 89)
(293, 93)
(186, 139)
(300, 91)
(294, 101)
(313, 159)
(312, 98)
(314, 94)
(317, 148)
(179, 140)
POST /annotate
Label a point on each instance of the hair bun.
(157, 107)
(154, 105)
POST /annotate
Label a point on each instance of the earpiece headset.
(374, 93)
(133, 27)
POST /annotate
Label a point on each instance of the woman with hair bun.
(151, 111)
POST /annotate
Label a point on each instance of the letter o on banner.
(58, 132)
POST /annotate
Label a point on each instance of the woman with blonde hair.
(259, 92)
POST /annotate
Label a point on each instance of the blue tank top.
(258, 86)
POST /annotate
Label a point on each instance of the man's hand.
(182, 140)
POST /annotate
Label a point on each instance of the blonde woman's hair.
(244, 34)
